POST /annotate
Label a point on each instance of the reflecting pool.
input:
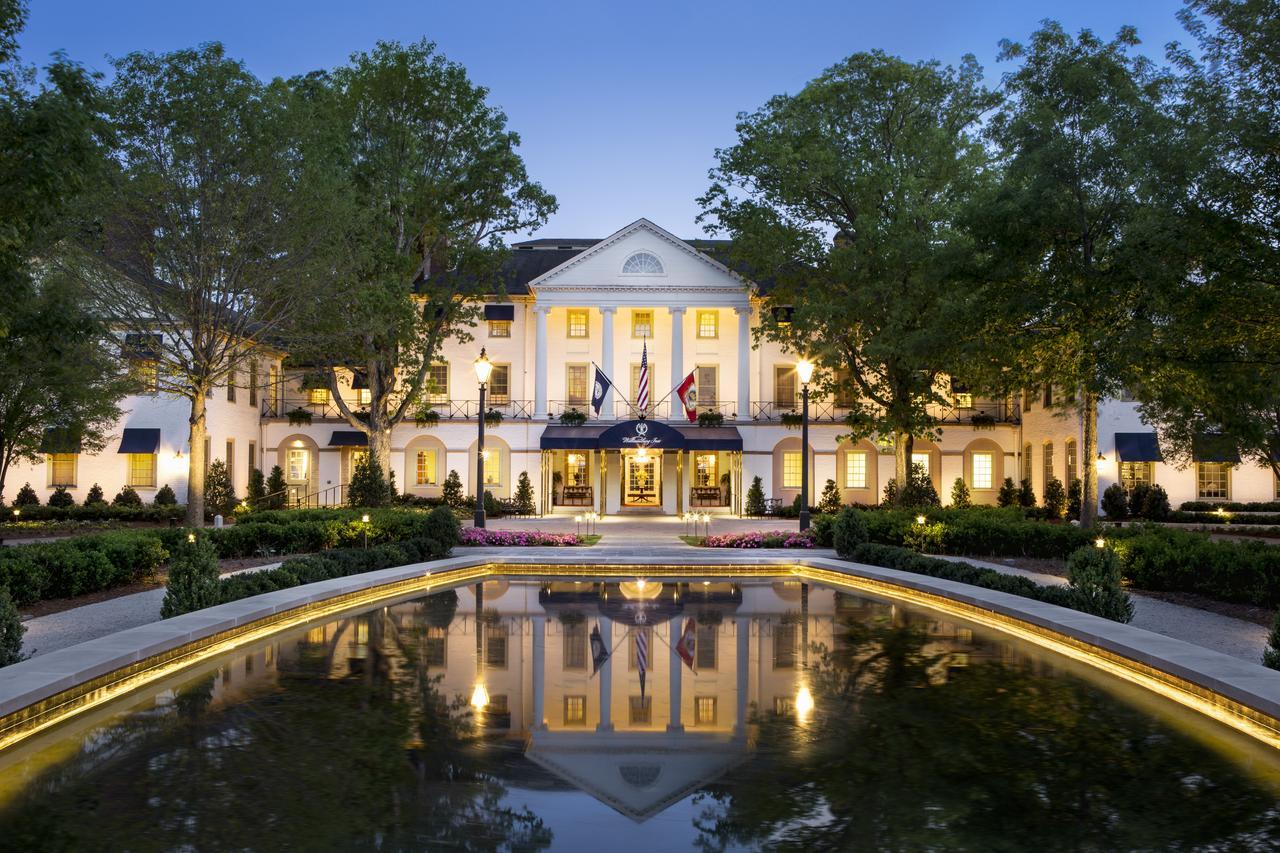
(805, 719)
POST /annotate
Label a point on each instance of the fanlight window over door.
(642, 263)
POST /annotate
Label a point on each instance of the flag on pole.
(642, 387)
(688, 645)
(688, 394)
(642, 654)
(599, 388)
(599, 650)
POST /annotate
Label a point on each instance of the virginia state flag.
(688, 645)
(599, 388)
(688, 394)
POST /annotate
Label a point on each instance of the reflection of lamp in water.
(804, 703)
(480, 697)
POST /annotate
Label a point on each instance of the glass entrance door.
(641, 479)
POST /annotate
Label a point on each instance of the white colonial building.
(573, 304)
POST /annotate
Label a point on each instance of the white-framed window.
(855, 469)
(1213, 481)
(297, 464)
(1073, 461)
(438, 383)
(499, 328)
(964, 400)
(708, 324)
(577, 322)
(708, 640)
(575, 469)
(784, 386)
(704, 470)
(252, 459)
(425, 468)
(318, 396)
(641, 324)
(493, 467)
(575, 710)
(922, 460)
(575, 645)
(983, 470)
(1135, 474)
(1026, 462)
(1048, 459)
(62, 469)
(142, 469)
(704, 710)
(640, 710)
(364, 396)
(707, 377)
(791, 464)
(575, 384)
(500, 384)
(231, 458)
(642, 263)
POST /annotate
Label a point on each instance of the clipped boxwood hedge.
(79, 565)
(98, 512)
(1230, 506)
(978, 531)
(1159, 558)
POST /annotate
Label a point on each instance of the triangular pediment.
(603, 267)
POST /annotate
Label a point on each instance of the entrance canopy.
(633, 435)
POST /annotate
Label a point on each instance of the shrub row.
(1159, 558)
(979, 531)
(79, 565)
(101, 512)
(1184, 517)
(1229, 506)
(1076, 598)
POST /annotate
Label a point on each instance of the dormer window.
(642, 263)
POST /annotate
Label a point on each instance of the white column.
(743, 628)
(606, 358)
(539, 671)
(744, 362)
(540, 362)
(606, 680)
(677, 670)
(677, 349)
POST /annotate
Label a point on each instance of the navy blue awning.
(711, 438)
(500, 312)
(586, 437)
(60, 440)
(1214, 448)
(348, 438)
(1138, 447)
(359, 381)
(137, 440)
(654, 435)
(140, 346)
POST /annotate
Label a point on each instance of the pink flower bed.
(516, 538)
(761, 539)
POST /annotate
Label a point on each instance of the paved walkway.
(624, 538)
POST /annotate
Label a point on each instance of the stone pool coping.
(43, 691)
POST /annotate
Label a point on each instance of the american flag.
(642, 655)
(642, 388)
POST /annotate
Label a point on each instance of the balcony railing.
(827, 411)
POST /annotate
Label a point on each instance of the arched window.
(642, 263)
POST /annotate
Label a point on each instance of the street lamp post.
(483, 368)
(805, 371)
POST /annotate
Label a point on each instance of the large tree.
(205, 226)
(1075, 233)
(432, 184)
(844, 199)
(1216, 354)
(55, 369)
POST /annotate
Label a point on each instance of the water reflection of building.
(521, 651)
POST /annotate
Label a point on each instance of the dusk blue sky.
(620, 106)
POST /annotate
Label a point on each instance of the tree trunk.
(380, 447)
(197, 463)
(903, 443)
(1089, 467)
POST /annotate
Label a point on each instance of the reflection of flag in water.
(642, 387)
(599, 651)
(642, 654)
(688, 644)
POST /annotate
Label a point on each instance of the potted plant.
(427, 418)
(492, 418)
(792, 420)
(710, 418)
(982, 420)
(299, 417)
(573, 417)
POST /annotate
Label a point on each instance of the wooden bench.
(706, 496)
(577, 496)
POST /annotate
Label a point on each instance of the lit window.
(142, 469)
(575, 384)
(575, 469)
(983, 470)
(365, 396)
(499, 328)
(921, 460)
(438, 384)
(641, 710)
(493, 468)
(784, 386)
(1213, 481)
(1026, 462)
(148, 373)
(575, 646)
(500, 384)
(1135, 474)
(298, 463)
(855, 469)
(642, 263)
(578, 323)
(964, 400)
(575, 710)
(708, 324)
(704, 466)
(1048, 462)
(62, 469)
(642, 324)
(708, 383)
(426, 468)
(791, 469)
(704, 711)
(318, 396)
(1073, 463)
